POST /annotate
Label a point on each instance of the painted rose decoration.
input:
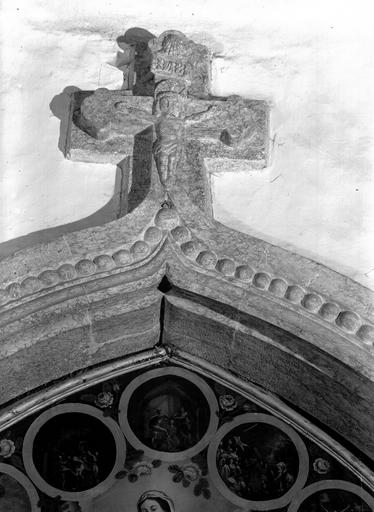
(191, 471)
(7, 448)
(228, 402)
(104, 399)
(142, 468)
(321, 466)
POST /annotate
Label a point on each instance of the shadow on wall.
(132, 182)
(135, 61)
(60, 108)
(113, 209)
(133, 175)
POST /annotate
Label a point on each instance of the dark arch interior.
(74, 451)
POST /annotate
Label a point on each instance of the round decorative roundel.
(18, 492)
(258, 462)
(333, 496)
(73, 451)
(168, 413)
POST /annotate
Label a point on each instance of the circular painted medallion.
(333, 496)
(73, 451)
(16, 491)
(169, 413)
(258, 462)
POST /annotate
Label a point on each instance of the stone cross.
(179, 128)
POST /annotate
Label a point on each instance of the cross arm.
(222, 134)
(232, 128)
(104, 125)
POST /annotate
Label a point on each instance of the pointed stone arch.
(166, 283)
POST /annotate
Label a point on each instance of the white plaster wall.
(312, 60)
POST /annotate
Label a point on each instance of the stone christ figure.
(171, 115)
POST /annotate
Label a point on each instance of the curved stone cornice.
(107, 305)
(204, 245)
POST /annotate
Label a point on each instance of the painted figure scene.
(169, 416)
(13, 497)
(74, 452)
(257, 462)
(333, 500)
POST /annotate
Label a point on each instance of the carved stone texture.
(109, 114)
(179, 126)
(105, 125)
(176, 56)
(185, 130)
(230, 128)
(226, 130)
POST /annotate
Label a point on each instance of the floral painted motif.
(192, 472)
(104, 399)
(135, 466)
(142, 468)
(7, 448)
(232, 404)
(11, 451)
(321, 466)
(139, 469)
(228, 402)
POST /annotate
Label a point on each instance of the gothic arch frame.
(94, 303)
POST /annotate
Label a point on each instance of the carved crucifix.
(179, 126)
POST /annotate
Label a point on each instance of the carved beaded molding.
(167, 224)
(152, 238)
(195, 105)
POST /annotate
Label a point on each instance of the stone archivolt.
(167, 225)
(261, 312)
